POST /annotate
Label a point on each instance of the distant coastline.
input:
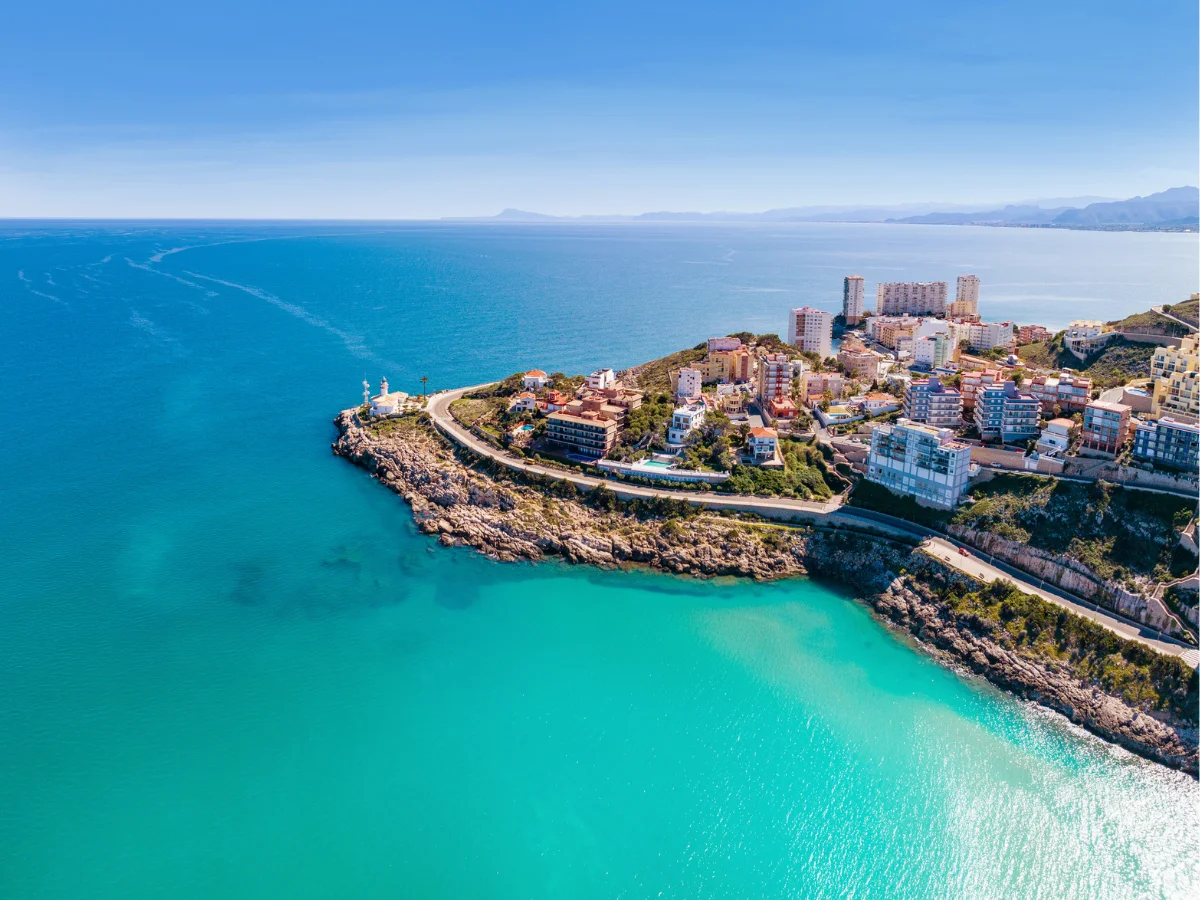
(1173, 210)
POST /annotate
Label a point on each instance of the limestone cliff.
(463, 504)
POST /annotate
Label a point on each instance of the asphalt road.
(438, 408)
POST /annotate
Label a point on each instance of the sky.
(402, 110)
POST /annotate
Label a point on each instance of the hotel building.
(1175, 374)
(587, 434)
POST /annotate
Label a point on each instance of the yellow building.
(1176, 374)
(726, 366)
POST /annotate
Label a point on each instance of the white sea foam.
(137, 320)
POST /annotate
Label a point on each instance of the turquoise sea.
(230, 667)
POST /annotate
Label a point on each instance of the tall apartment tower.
(966, 299)
(852, 299)
(913, 298)
(811, 329)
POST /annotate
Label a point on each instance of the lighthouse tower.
(383, 387)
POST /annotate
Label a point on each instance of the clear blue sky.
(450, 108)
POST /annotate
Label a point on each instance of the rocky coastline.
(464, 503)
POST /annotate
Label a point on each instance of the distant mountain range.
(1177, 207)
(1173, 209)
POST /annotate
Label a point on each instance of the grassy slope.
(1188, 310)
(1115, 363)
(1149, 322)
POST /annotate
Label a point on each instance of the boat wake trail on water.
(353, 343)
(24, 279)
(192, 284)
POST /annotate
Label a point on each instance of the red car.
(963, 551)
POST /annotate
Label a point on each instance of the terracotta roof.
(764, 433)
(535, 373)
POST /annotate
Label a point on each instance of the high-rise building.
(852, 299)
(920, 461)
(932, 403)
(811, 330)
(774, 376)
(918, 298)
(966, 298)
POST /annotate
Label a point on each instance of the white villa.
(684, 421)
(535, 380)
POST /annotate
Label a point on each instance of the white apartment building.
(966, 298)
(984, 335)
(688, 385)
(1083, 336)
(853, 302)
(684, 421)
(602, 378)
(919, 461)
(811, 330)
(921, 298)
(934, 352)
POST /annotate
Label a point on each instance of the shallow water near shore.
(229, 666)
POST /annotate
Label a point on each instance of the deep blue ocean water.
(229, 666)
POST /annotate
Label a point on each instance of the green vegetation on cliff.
(655, 375)
(1126, 669)
(1188, 310)
(1117, 533)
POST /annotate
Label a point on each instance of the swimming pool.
(655, 464)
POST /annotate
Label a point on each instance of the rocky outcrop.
(967, 641)
(462, 504)
(508, 520)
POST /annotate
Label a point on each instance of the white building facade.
(919, 461)
(688, 386)
(811, 330)
(853, 300)
(920, 298)
(684, 421)
(602, 378)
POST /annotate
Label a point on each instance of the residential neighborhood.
(922, 399)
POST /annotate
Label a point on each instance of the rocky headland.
(466, 503)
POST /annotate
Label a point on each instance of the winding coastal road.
(831, 512)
